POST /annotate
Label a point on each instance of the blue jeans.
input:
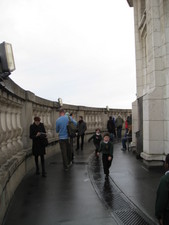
(119, 129)
(124, 140)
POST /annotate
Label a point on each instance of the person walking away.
(38, 135)
(111, 128)
(127, 138)
(97, 138)
(119, 124)
(106, 147)
(162, 196)
(61, 128)
(81, 128)
(72, 138)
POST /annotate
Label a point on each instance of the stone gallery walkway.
(82, 196)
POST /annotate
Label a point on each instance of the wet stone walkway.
(82, 196)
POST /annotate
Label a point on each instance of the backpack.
(71, 128)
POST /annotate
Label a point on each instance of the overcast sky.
(80, 50)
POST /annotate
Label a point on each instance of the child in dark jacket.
(106, 147)
(97, 137)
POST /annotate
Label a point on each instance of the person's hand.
(109, 158)
(98, 153)
(38, 134)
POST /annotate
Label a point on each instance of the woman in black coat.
(39, 139)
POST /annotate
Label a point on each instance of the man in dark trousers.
(81, 128)
(162, 198)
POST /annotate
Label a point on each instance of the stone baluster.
(10, 132)
(96, 121)
(15, 131)
(49, 124)
(88, 122)
(19, 129)
(3, 137)
(100, 124)
(93, 126)
(45, 121)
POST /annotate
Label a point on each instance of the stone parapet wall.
(17, 110)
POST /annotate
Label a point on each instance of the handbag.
(45, 142)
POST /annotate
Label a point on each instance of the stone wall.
(151, 21)
(17, 110)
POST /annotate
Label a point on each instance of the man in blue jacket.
(61, 128)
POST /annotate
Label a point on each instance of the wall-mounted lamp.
(60, 102)
(7, 63)
(107, 108)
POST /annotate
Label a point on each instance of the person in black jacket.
(111, 128)
(106, 147)
(97, 137)
(81, 128)
(38, 136)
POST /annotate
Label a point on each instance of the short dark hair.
(61, 111)
(97, 129)
(106, 134)
(36, 118)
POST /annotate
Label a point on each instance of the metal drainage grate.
(116, 202)
(130, 217)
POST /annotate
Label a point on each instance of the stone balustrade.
(17, 110)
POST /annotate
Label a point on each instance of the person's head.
(61, 112)
(166, 164)
(97, 131)
(106, 138)
(67, 114)
(37, 120)
(80, 117)
(72, 114)
(110, 117)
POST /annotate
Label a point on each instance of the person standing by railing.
(39, 137)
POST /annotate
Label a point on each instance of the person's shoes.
(37, 172)
(66, 169)
(123, 149)
(69, 164)
(44, 174)
(107, 177)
